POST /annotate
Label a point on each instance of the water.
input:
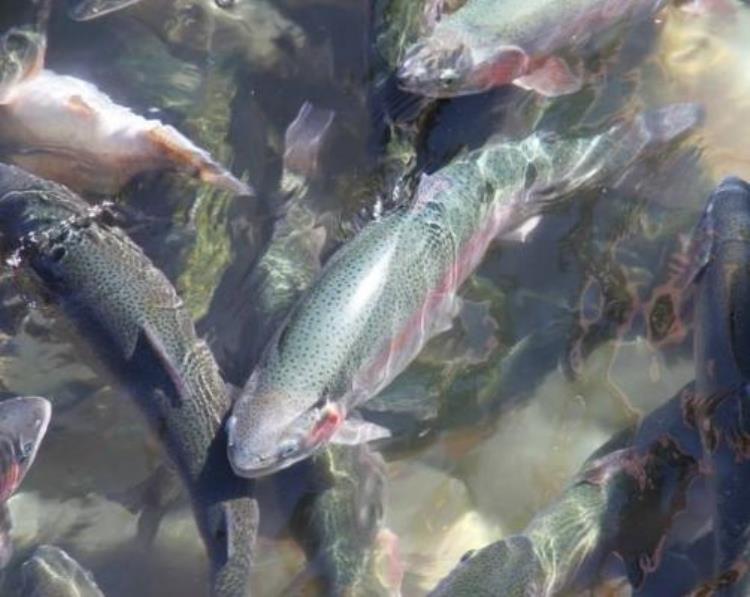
(482, 447)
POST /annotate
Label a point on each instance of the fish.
(51, 572)
(566, 546)
(257, 31)
(491, 43)
(23, 424)
(391, 288)
(340, 523)
(722, 357)
(64, 128)
(128, 315)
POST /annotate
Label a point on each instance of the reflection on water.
(585, 331)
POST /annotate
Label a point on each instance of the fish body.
(722, 357)
(489, 43)
(134, 320)
(51, 572)
(66, 129)
(393, 287)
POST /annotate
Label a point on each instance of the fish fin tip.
(356, 431)
(552, 77)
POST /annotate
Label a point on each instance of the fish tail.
(179, 151)
(655, 128)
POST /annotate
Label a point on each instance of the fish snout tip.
(734, 184)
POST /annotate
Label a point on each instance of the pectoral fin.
(521, 234)
(355, 431)
(171, 368)
(552, 77)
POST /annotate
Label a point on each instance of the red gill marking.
(327, 425)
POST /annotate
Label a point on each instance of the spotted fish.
(489, 43)
(133, 319)
(393, 287)
(66, 129)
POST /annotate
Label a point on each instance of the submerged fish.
(489, 43)
(133, 319)
(51, 572)
(23, 424)
(340, 524)
(393, 287)
(566, 546)
(65, 129)
(722, 357)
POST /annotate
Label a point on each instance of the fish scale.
(393, 287)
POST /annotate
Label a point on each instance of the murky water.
(489, 426)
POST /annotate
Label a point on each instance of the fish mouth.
(255, 467)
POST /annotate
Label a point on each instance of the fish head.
(21, 56)
(86, 10)
(509, 567)
(437, 66)
(23, 424)
(265, 435)
(446, 66)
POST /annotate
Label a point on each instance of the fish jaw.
(443, 68)
(260, 452)
(23, 424)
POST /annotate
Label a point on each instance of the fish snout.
(435, 70)
(727, 214)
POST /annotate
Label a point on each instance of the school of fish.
(283, 403)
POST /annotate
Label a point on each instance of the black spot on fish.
(57, 253)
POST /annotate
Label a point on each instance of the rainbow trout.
(622, 502)
(393, 287)
(50, 572)
(489, 43)
(132, 318)
(23, 424)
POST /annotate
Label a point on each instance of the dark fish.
(133, 319)
(50, 572)
(722, 357)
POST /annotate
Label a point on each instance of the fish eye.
(448, 78)
(287, 448)
(25, 451)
